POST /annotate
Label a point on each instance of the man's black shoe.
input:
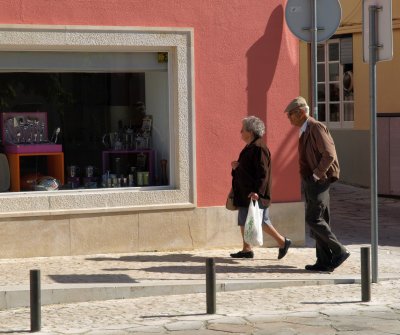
(319, 267)
(283, 251)
(243, 254)
(336, 262)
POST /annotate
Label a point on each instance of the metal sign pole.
(373, 50)
(314, 75)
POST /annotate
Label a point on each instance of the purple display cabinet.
(150, 154)
(26, 133)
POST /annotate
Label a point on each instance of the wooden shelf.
(55, 167)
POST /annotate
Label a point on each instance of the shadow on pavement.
(171, 258)
(96, 278)
(226, 269)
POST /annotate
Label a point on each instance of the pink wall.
(246, 63)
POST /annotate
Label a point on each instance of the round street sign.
(299, 17)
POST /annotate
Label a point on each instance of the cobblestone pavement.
(323, 309)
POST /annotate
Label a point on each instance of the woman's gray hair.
(254, 125)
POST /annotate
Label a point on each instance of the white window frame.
(334, 124)
(178, 42)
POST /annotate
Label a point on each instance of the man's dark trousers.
(317, 217)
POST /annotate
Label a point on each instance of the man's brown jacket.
(317, 150)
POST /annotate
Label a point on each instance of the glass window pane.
(348, 111)
(334, 71)
(321, 112)
(334, 92)
(102, 120)
(348, 92)
(321, 72)
(348, 96)
(334, 51)
(320, 53)
(334, 112)
(321, 92)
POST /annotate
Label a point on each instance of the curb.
(19, 296)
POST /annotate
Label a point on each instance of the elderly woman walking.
(251, 179)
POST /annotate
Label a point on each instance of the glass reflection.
(321, 72)
(348, 93)
(334, 113)
(348, 111)
(334, 72)
(334, 92)
(320, 53)
(334, 51)
(321, 92)
(321, 112)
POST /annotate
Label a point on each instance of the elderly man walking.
(319, 167)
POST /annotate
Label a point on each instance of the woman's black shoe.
(283, 251)
(243, 254)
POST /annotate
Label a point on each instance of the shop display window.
(85, 130)
(87, 76)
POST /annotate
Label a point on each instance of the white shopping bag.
(253, 233)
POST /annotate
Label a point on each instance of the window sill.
(52, 203)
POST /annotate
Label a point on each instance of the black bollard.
(211, 286)
(365, 275)
(35, 300)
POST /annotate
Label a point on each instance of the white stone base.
(186, 229)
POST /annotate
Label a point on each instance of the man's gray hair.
(254, 125)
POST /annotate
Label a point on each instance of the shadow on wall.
(262, 58)
(285, 168)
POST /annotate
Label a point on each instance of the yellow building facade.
(343, 68)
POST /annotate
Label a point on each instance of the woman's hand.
(234, 165)
(253, 196)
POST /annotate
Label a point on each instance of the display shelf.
(150, 162)
(55, 167)
(26, 133)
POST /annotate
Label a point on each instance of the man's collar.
(303, 127)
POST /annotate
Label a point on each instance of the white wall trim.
(179, 43)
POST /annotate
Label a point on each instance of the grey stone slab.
(348, 324)
(73, 331)
(313, 322)
(229, 320)
(199, 317)
(276, 328)
(305, 314)
(364, 332)
(120, 326)
(262, 318)
(148, 330)
(185, 325)
(106, 332)
(231, 328)
(200, 332)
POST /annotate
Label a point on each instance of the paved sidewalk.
(259, 296)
